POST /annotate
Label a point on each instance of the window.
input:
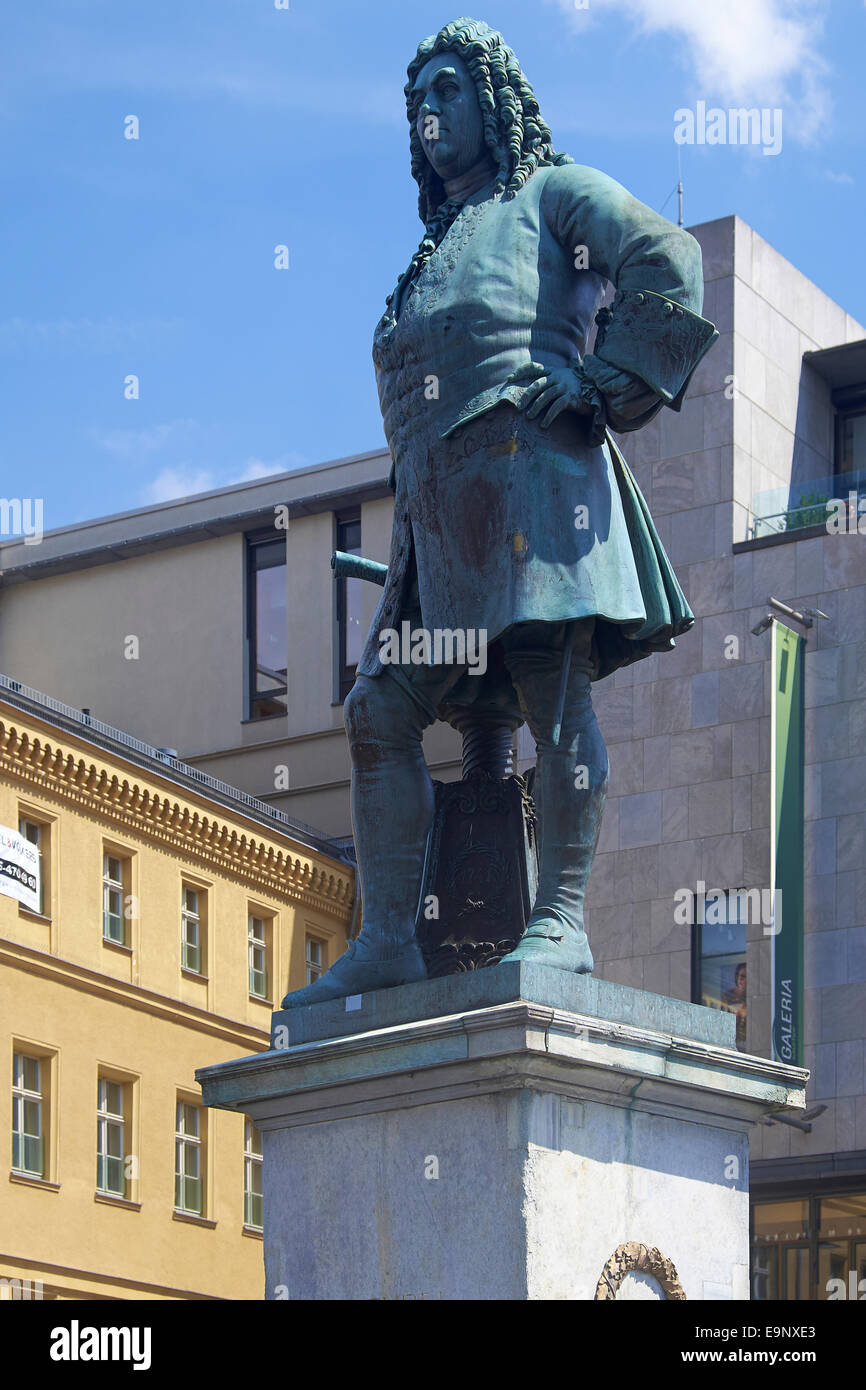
(850, 436)
(258, 954)
(719, 974)
(115, 882)
(192, 931)
(252, 1176)
(809, 1248)
(28, 1115)
(39, 834)
(188, 1185)
(267, 626)
(111, 1134)
(315, 954)
(349, 631)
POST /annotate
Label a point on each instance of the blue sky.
(260, 127)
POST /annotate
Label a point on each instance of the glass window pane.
(354, 631)
(843, 1215)
(253, 1210)
(853, 444)
(29, 830)
(113, 928)
(32, 1113)
(192, 1188)
(765, 1273)
(785, 1221)
(797, 1273)
(349, 533)
(268, 554)
(31, 1073)
(33, 1155)
(272, 634)
(723, 972)
(116, 1181)
(832, 1264)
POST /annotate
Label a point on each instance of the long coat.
(510, 522)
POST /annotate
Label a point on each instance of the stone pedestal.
(511, 1133)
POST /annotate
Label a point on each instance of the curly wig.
(518, 139)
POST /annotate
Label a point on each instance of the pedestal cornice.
(513, 1045)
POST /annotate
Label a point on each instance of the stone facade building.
(768, 426)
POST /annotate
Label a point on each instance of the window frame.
(697, 992)
(264, 944)
(110, 885)
(199, 919)
(40, 1098)
(254, 542)
(253, 1164)
(848, 402)
(314, 969)
(193, 1142)
(344, 674)
(111, 1121)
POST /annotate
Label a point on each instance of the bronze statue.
(515, 514)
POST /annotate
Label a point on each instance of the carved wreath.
(634, 1258)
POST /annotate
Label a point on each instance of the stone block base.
(526, 1148)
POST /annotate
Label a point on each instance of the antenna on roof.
(678, 189)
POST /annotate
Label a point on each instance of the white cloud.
(758, 52)
(172, 483)
(841, 177)
(127, 443)
(186, 480)
(260, 468)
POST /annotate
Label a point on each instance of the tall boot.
(392, 809)
(570, 787)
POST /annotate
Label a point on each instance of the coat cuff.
(593, 401)
(655, 339)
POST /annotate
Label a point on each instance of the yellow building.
(170, 916)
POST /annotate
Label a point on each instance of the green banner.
(787, 729)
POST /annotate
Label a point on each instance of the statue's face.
(449, 123)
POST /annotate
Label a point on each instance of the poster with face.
(723, 972)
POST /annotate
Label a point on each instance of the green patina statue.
(516, 517)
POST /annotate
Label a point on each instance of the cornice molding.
(162, 818)
(16, 956)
